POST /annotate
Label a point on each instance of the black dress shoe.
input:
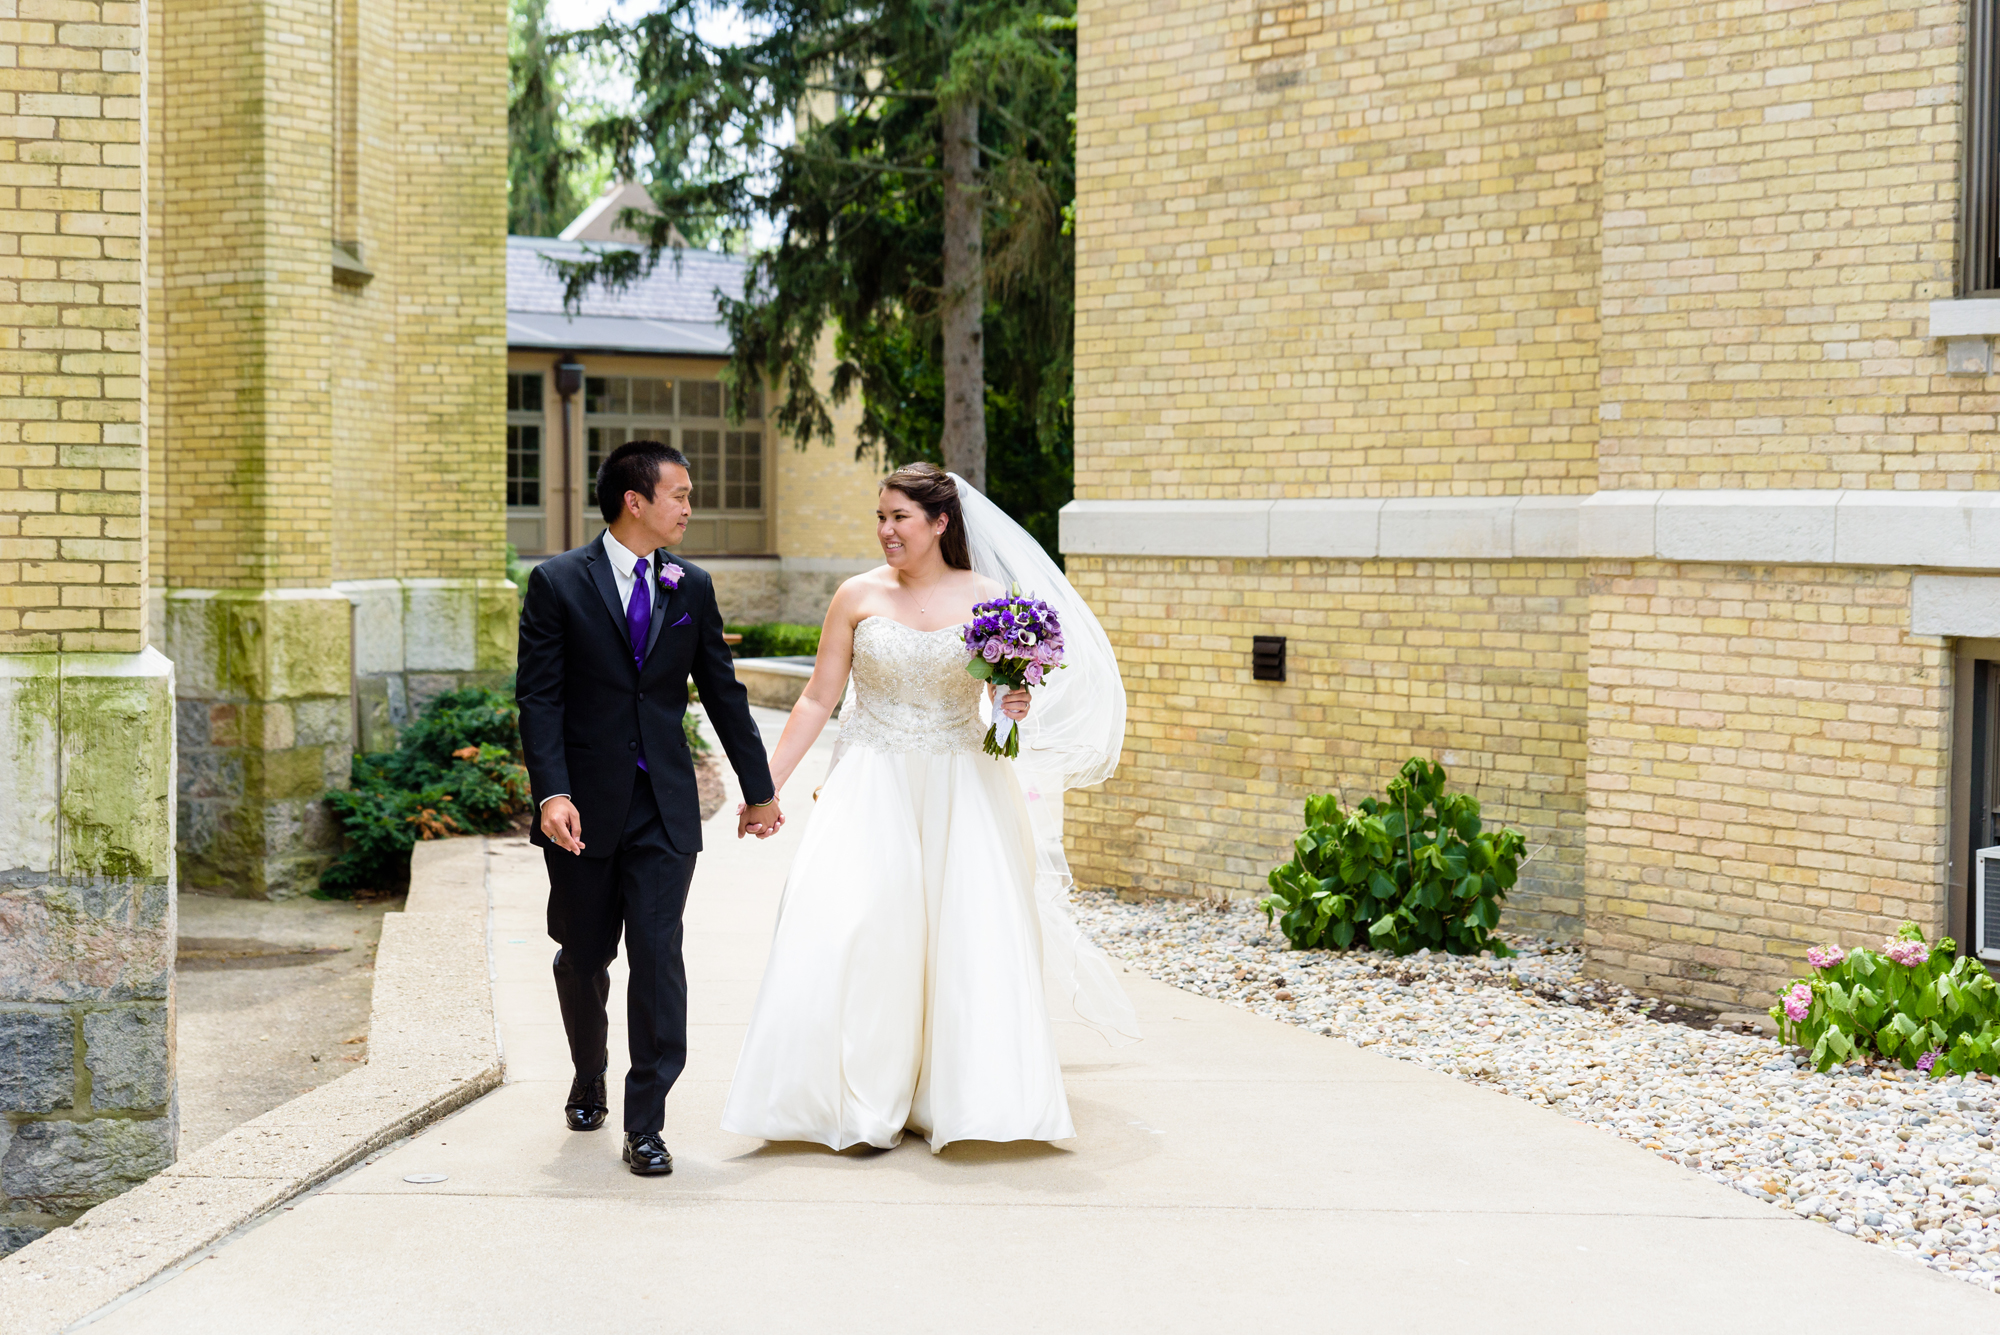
(586, 1108)
(648, 1154)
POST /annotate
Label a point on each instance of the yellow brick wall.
(243, 108)
(72, 309)
(311, 431)
(1780, 194)
(365, 363)
(1768, 770)
(451, 331)
(1337, 250)
(1478, 664)
(826, 496)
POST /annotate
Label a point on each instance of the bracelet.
(770, 801)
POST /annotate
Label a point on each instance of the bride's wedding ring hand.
(1014, 705)
(562, 824)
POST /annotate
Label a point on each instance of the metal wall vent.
(1267, 657)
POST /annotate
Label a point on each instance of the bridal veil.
(1071, 738)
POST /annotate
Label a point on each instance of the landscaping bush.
(1923, 1006)
(776, 639)
(456, 770)
(1412, 871)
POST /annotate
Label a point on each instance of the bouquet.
(1012, 642)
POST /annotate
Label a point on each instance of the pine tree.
(549, 172)
(917, 159)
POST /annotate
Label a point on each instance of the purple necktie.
(638, 621)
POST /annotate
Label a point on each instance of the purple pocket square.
(686, 620)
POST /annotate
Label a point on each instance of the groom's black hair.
(634, 466)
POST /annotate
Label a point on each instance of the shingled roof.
(670, 311)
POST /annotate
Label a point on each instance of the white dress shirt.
(622, 563)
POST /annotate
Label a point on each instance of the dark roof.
(671, 310)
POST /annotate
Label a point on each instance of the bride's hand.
(1014, 705)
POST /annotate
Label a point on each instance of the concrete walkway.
(1230, 1173)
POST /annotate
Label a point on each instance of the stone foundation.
(415, 639)
(86, 933)
(266, 727)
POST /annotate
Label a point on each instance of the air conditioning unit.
(1986, 903)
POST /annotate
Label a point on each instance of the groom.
(610, 634)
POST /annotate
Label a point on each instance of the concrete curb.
(432, 1048)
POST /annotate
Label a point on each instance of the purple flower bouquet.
(1012, 642)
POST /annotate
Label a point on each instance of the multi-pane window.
(524, 439)
(621, 409)
(742, 470)
(725, 465)
(727, 468)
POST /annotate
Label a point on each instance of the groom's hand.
(763, 821)
(561, 823)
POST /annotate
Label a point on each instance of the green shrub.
(1923, 1006)
(776, 639)
(1413, 871)
(456, 770)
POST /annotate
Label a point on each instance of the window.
(726, 466)
(1979, 221)
(704, 452)
(742, 471)
(524, 439)
(621, 409)
(701, 398)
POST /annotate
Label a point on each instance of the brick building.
(252, 361)
(1596, 397)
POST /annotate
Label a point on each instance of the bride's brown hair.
(932, 487)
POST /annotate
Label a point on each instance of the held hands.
(762, 821)
(561, 823)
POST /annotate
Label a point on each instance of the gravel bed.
(1880, 1154)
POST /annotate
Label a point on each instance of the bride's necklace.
(923, 608)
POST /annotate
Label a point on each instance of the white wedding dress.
(905, 982)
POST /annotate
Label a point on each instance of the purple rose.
(992, 654)
(1033, 675)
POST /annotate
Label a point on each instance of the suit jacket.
(585, 707)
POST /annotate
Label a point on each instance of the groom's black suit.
(586, 710)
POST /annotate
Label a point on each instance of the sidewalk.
(1230, 1173)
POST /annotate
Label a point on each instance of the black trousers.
(640, 891)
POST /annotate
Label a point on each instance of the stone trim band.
(1950, 530)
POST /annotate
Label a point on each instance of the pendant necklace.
(922, 608)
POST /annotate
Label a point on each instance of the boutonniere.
(670, 575)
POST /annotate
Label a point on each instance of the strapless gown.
(904, 988)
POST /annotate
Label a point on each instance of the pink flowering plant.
(1916, 1003)
(1013, 642)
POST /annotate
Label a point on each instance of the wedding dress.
(923, 944)
(904, 987)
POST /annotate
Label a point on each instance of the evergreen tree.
(917, 158)
(551, 175)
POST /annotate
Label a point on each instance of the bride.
(923, 947)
